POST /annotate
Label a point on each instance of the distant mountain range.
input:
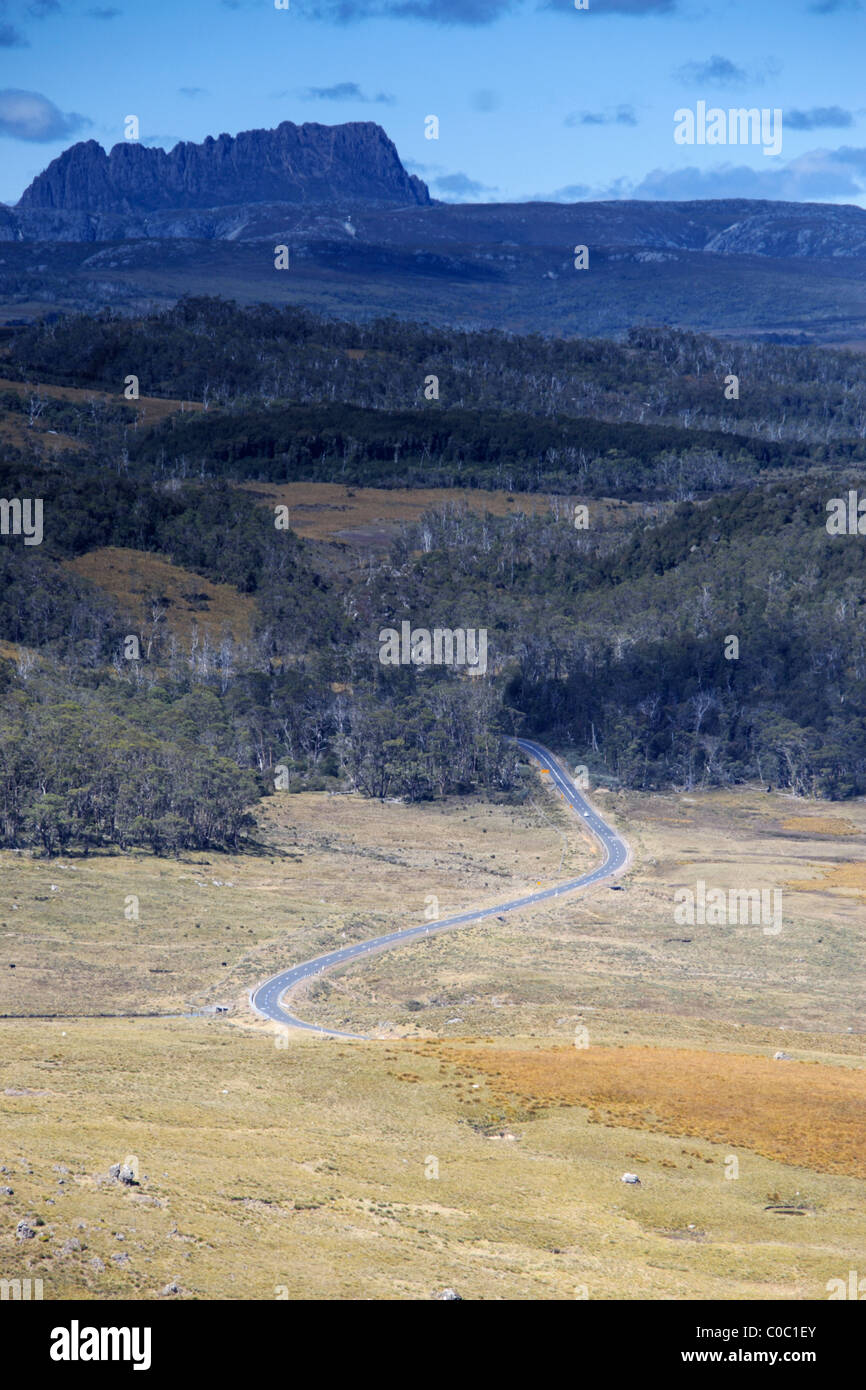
(366, 238)
(252, 187)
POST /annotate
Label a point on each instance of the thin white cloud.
(31, 116)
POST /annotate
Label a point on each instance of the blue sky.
(535, 99)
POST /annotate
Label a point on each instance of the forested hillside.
(713, 634)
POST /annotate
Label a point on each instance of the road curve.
(266, 998)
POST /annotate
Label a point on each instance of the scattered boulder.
(24, 1231)
(781, 1057)
(8, 1191)
(169, 1289)
(97, 1265)
(631, 1178)
(119, 1172)
(449, 1294)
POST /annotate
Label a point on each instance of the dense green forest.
(713, 633)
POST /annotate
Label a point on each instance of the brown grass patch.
(150, 409)
(325, 511)
(850, 876)
(804, 1113)
(820, 825)
(134, 577)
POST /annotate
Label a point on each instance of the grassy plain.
(469, 1143)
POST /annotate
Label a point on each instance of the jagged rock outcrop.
(354, 162)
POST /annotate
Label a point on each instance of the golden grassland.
(809, 1114)
(625, 951)
(363, 1170)
(835, 826)
(850, 878)
(185, 600)
(273, 1161)
(334, 511)
(329, 869)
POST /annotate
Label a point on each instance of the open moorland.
(207, 775)
(515, 1069)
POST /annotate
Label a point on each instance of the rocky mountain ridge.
(292, 164)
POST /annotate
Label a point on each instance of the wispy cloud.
(456, 187)
(621, 115)
(627, 7)
(568, 193)
(818, 117)
(450, 12)
(715, 71)
(467, 13)
(10, 37)
(818, 176)
(485, 100)
(192, 92)
(345, 91)
(31, 116)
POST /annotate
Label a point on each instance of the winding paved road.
(266, 998)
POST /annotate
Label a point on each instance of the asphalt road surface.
(265, 999)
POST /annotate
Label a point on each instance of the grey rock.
(119, 1172)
